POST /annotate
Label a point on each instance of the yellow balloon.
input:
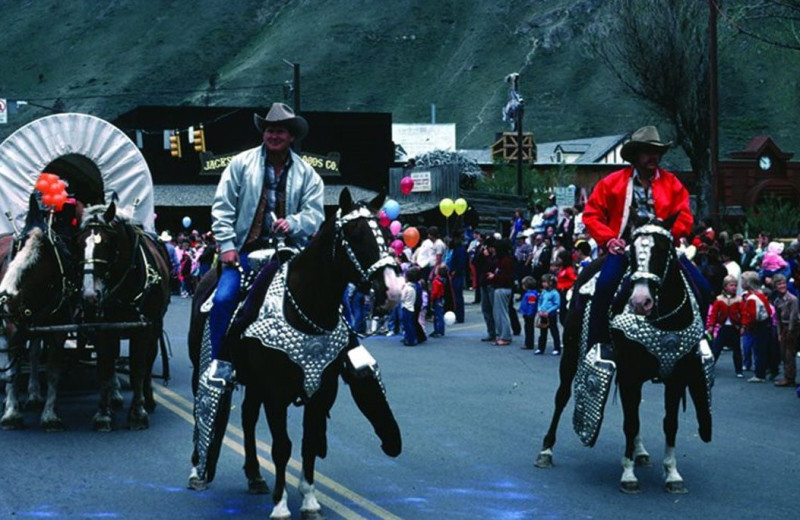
(446, 206)
(460, 206)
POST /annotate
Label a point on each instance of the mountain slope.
(400, 56)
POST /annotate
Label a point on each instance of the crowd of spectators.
(191, 254)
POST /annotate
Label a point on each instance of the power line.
(157, 93)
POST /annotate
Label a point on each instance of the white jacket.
(239, 191)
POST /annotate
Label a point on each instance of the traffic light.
(199, 139)
(175, 144)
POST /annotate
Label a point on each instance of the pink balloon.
(398, 246)
(384, 220)
(395, 227)
(406, 185)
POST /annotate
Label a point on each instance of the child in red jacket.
(756, 325)
(726, 317)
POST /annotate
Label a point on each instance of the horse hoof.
(101, 423)
(12, 423)
(676, 488)
(642, 461)
(150, 405)
(257, 486)
(312, 515)
(544, 461)
(198, 484)
(630, 488)
(53, 426)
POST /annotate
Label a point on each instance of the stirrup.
(221, 373)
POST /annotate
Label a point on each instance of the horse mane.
(96, 212)
(28, 256)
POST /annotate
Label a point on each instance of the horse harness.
(151, 274)
(667, 346)
(67, 288)
(313, 352)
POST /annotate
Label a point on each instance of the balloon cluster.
(53, 190)
(448, 206)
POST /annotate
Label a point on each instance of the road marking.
(179, 405)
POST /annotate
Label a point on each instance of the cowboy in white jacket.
(264, 190)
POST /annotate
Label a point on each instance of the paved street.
(472, 418)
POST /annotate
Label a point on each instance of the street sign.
(3, 112)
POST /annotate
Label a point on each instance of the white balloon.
(449, 317)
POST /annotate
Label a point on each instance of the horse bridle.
(384, 259)
(151, 276)
(643, 254)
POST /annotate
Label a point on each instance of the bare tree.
(775, 22)
(658, 49)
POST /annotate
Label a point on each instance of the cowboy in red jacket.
(638, 193)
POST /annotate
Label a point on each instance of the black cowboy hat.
(645, 137)
(283, 115)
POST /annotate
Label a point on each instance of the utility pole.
(295, 93)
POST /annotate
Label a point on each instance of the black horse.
(661, 342)
(350, 247)
(37, 290)
(125, 283)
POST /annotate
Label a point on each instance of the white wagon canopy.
(93, 156)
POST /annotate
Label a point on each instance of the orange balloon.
(411, 236)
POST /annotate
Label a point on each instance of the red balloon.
(42, 185)
(406, 185)
(49, 177)
(57, 187)
(47, 199)
(384, 220)
(411, 236)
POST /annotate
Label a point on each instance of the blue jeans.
(394, 320)
(438, 316)
(409, 327)
(225, 300)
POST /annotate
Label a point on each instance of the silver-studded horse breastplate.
(668, 346)
(312, 352)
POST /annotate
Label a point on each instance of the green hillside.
(107, 57)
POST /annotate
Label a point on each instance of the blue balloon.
(187, 221)
(392, 209)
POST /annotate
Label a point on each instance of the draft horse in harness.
(125, 282)
(656, 332)
(299, 344)
(37, 290)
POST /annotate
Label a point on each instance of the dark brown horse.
(125, 282)
(350, 247)
(662, 343)
(37, 290)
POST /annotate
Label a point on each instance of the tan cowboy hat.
(165, 236)
(645, 137)
(283, 115)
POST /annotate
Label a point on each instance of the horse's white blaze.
(671, 474)
(27, 256)
(394, 287)
(310, 503)
(627, 471)
(89, 290)
(281, 509)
